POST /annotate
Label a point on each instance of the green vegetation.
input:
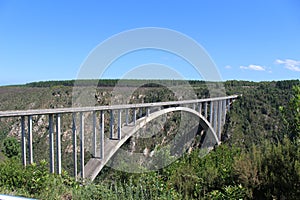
(11, 147)
(259, 159)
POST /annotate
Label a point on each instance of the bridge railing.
(213, 109)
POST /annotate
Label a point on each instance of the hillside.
(254, 132)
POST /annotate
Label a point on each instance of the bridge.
(210, 111)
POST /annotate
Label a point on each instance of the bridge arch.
(95, 165)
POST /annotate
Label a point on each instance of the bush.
(33, 180)
(11, 147)
(270, 171)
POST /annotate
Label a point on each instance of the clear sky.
(248, 40)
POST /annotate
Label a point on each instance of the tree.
(291, 114)
(295, 111)
(11, 147)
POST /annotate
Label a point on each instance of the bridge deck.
(18, 113)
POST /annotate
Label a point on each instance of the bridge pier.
(23, 140)
(29, 140)
(58, 144)
(219, 119)
(224, 112)
(126, 117)
(102, 134)
(51, 143)
(134, 116)
(147, 112)
(200, 108)
(81, 116)
(211, 112)
(205, 110)
(74, 131)
(94, 140)
(112, 124)
(215, 115)
(141, 112)
(30, 152)
(228, 105)
(119, 124)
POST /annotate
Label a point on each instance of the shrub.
(11, 147)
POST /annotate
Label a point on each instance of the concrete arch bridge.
(125, 121)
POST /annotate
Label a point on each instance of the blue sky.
(248, 40)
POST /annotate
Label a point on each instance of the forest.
(259, 157)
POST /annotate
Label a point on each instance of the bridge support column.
(215, 115)
(94, 140)
(58, 144)
(141, 113)
(23, 140)
(224, 112)
(228, 105)
(126, 116)
(219, 119)
(134, 116)
(51, 144)
(200, 108)
(205, 110)
(82, 144)
(112, 123)
(74, 131)
(119, 124)
(102, 135)
(147, 112)
(30, 152)
(211, 112)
